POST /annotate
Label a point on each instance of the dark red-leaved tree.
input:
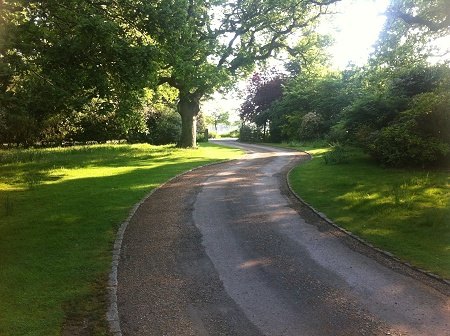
(262, 92)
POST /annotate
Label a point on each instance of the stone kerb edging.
(359, 239)
(112, 315)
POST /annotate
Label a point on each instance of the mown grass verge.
(59, 212)
(403, 211)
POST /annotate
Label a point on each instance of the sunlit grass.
(59, 211)
(406, 212)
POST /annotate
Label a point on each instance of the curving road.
(226, 250)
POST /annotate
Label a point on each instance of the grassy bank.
(404, 211)
(59, 211)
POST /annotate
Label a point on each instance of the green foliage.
(311, 127)
(424, 16)
(338, 133)
(403, 121)
(164, 127)
(368, 114)
(78, 70)
(337, 154)
(312, 58)
(67, 70)
(398, 115)
(248, 133)
(400, 145)
(162, 122)
(411, 81)
(310, 105)
(201, 128)
(420, 135)
(309, 146)
(232, 134)
(203, 51)
(218, 118)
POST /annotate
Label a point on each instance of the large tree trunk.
(188, 108)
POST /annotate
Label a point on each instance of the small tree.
(262, 92)
(218, 118)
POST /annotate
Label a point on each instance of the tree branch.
(171, 81)
(420, 20)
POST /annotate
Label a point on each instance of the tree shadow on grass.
(405, 220)
(56, 238)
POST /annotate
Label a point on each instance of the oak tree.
(205, 44)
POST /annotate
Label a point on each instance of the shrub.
(368, 114)
(400, 145)
(337, 155)
(338, 133)
(213, 135)
(231, 134)
(250, 134)
(419, 137)
(311, 127)
(164, 127)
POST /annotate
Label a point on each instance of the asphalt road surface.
(227, 250)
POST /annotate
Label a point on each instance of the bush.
(250, 134)
(368, 114)
(201, 137)
(311, 127)
(337, 155)
(231, 134)
(338, 133)
(399, 145)
(419, 137)
(164, 127)
(213, 135)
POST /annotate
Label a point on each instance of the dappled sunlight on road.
(255, 263)
(215, 184)
(268, 255)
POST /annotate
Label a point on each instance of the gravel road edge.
(112, 314)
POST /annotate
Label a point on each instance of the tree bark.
(188, 108)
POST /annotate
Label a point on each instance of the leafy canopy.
(206, 43)
(67, 66)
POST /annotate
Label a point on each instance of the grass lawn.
(406, 212)
(59, 212)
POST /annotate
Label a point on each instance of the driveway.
(227, 250)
